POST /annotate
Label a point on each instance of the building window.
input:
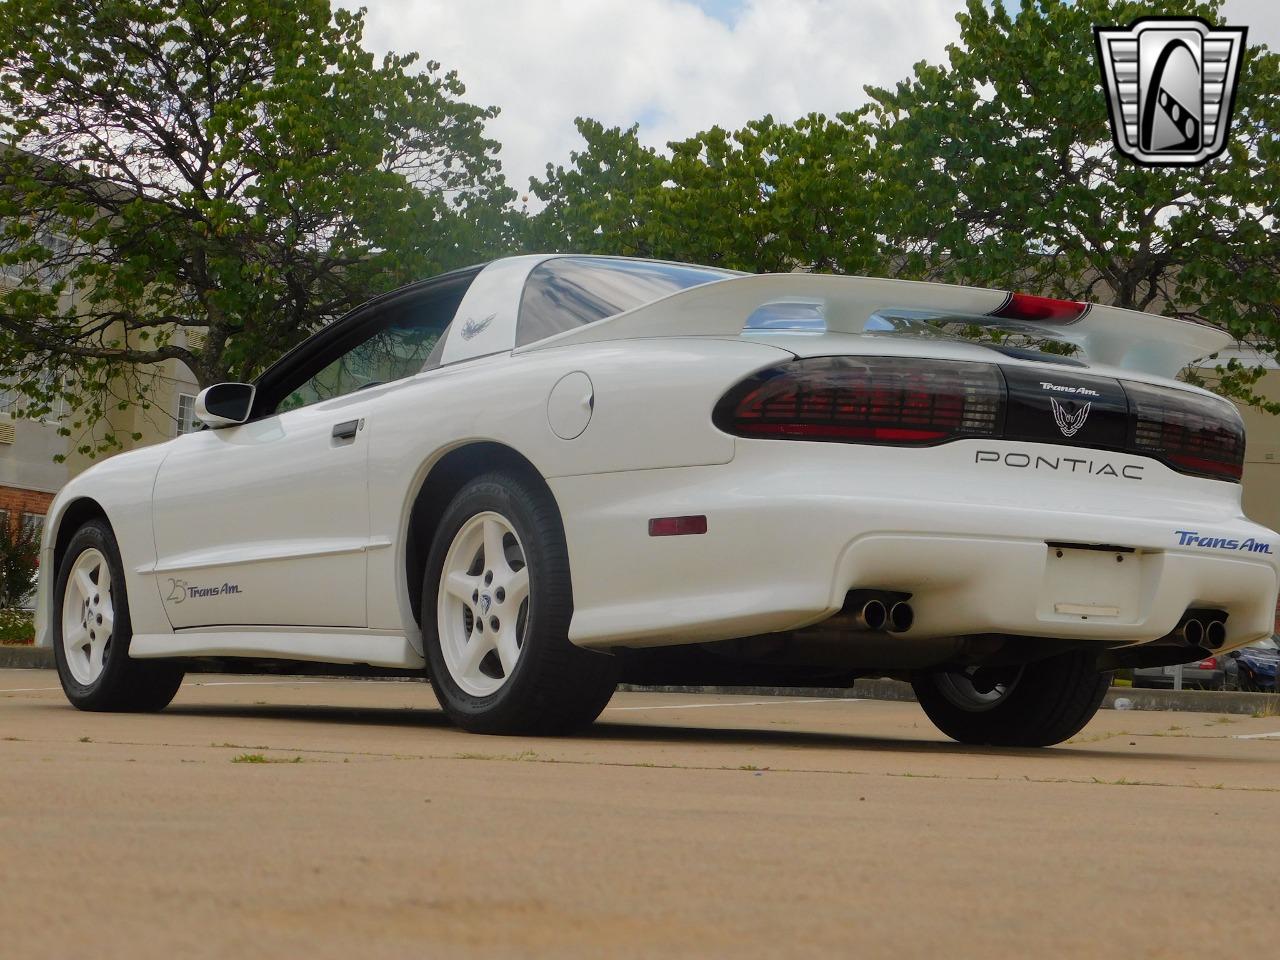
(186, 413)
(33, 523)
(55, 266)
(16, 402)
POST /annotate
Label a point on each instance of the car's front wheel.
(1033, 705)
(496, 605)
(92, 630)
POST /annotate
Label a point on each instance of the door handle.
(346, 430)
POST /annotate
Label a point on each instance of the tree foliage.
(995, 168)
(767, 197)
(241, 168)
(998, 169)
(19, 561)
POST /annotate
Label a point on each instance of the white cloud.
(1262, 17)
(676, 66)
(668, 64)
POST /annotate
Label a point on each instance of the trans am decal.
(180, 590)
(1192, 538)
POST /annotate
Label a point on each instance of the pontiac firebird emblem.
(1170, 84)
(473, 327)
(1069, 423)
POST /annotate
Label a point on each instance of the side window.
(399, 347)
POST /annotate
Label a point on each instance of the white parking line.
(740, 703)
(29, 689)
(261, 683)
(1256, 736)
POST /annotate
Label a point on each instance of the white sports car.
(533, 478)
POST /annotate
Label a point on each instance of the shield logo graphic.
(1170, 85)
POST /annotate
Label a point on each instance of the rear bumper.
(793, 526)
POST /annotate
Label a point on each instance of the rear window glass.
(568, 292)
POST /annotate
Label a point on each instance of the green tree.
(603, 201)
(994, 168)
(19, 561)
(240, 167)
(766, 197)
(997, 169)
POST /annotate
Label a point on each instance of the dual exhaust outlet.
(895, 617)
(1201, 633)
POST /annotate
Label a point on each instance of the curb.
(1187, 701)
(26, 658)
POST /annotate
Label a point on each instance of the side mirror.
(225, 404)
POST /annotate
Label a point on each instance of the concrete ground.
(274, 817)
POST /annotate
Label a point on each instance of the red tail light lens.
(1209, 663)
(1193, 434)
(885, 400)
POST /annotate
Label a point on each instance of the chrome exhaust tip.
(901, 616)
(1215, 634)
(872, 616)
(1192, 632)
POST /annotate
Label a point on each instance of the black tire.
(1050, 701)
(124, 685)
(555, 686)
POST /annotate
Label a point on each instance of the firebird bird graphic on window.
(1069, 423)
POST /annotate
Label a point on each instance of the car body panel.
(1109, 336)
(633, 427)
(788, 537)
(240, 543)
(121, 488)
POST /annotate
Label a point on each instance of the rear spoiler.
(1111, 336)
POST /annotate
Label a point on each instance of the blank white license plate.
(1082, 584)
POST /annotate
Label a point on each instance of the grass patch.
(17, 628)
(261, 758)
(526, 756)
(1269, 709)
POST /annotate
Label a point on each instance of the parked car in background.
(1207, 674)
(1254, 667)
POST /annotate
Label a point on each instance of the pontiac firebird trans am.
(534, 478)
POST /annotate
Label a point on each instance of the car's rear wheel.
(496, 605)
(1033, 705)
(92, 630)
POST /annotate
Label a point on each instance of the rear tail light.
(884, 400)
(1189, 432)
(1209, 663)
(914, 401)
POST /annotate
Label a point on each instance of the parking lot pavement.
(277, 817)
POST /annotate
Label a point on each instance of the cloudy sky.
(675, 66)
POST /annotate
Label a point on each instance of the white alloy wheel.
(88, 616)
(483, 604)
